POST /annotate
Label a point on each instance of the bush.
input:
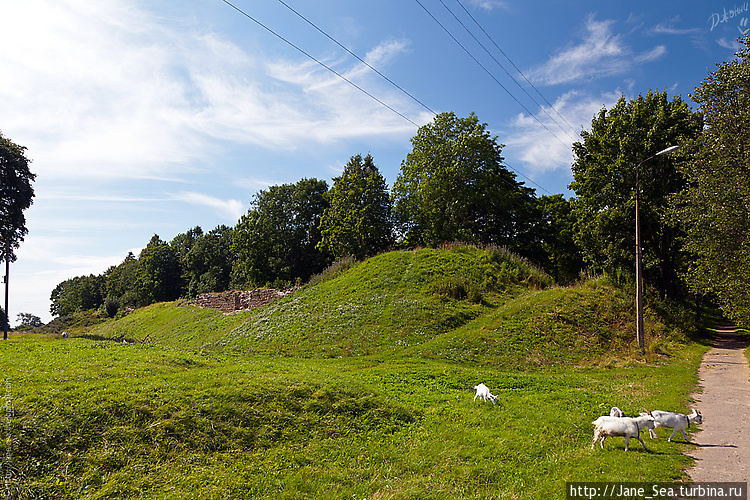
(111, 306)
(457, 288)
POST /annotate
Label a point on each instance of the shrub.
(111, 306)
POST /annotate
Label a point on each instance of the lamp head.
(668, 150)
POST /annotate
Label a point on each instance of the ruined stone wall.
(240, 300)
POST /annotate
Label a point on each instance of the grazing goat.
(627, 427)
(616, 412)
(674, 421)
(484, 392)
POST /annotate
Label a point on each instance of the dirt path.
(723, 452)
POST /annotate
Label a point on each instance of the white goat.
(616, 412)
(484, 392)
(627, 427)
(674, 421)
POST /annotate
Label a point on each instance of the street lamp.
(640, 334)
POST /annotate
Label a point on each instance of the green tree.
(209, 262)
(357, 223)
(78, 294)
(276, 241)
(182, 244)
(28, 320)
(715, 206)
(159, 274)
(561, 257)
(604, 182)
(453, 187)
(122, 282)
(16, 195)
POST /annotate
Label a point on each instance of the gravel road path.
(723, 452)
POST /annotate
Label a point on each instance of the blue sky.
(152, 117)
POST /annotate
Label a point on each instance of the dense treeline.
(453, 186)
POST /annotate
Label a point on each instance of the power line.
(489, 72)
(516, 67)
(383, 76)
(501, 66)
(358, 58)
(319, 62)
(527, 178)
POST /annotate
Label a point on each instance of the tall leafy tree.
(159, 274)
(561, 257)
(28, 320)
(604, 182)
(453, 186)
(715, 206)
(357, 223)
(78, 294)
(209, 262)
(276, 241)
(16, 195)
(182, 244)
(122, 281)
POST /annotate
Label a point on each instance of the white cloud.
(105, 90)
(230, 209)
(732, 45)
(489, 4)
(541, 152)
(600, 53)
(669, 28)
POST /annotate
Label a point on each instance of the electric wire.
(503, 68)
(489, 72)
(248, 16)
(527, 178)
(517, 69)
(319, 62)
(357, 57)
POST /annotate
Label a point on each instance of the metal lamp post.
(640, 333)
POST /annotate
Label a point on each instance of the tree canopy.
(16, 195)
(454, 187)
(715, 206)
(357, 222)
(604, 182)
(276, 242)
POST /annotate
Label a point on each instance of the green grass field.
(359, 386)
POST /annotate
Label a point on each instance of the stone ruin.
(233, 301)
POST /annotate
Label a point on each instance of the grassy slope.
(111, 420)
(96, 419)
(383, 304)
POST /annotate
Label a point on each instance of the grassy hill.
(461, 303)
(357, 386)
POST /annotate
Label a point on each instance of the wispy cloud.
(489, 4)
(110, 91)
(601, 52)
(230, 209)
(539, 151)
(732, 45)
(670, 28)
